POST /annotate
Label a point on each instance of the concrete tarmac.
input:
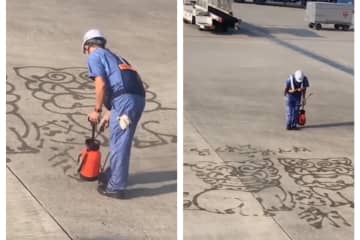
(245, 176)
(48, 99)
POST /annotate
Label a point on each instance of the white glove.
(124, 121)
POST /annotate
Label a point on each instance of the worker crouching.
(295, 90)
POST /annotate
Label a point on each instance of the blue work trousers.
(292, 110)
(121, 140)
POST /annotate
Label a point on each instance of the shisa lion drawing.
(68, 94)
(64, 97)
(323, 185)
(237, 182)
(331, 179)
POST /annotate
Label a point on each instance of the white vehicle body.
(211, 14)
(341, 15)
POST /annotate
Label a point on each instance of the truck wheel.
(337, 26)
(193, 20)
(219, 27)
(346, 27)
(311, 25)
(259, 1)
(318, 26)
(303, 3)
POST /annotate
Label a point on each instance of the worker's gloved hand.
(94, 117)
(291, 91)
(104, 122)
(300, 89)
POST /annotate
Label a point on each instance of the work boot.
(102, 179)
(113, 194)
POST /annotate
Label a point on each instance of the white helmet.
(92, 33)
(299, 76)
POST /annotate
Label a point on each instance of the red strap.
(126, 67)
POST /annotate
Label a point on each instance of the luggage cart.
(319, 13)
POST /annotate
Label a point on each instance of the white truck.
(339, 14)
(214, 15)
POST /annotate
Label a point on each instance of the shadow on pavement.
(332, 29)
(256, 31)
(149, 177)
(253, 30)
(275, 4)
(101, 238)
(144, 177)
(148, 192)
(152, 177)
(326, 125)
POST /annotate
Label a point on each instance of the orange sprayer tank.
(90, 160)
(302, 118)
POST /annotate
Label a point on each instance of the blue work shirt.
(303, 84)
(105, 64)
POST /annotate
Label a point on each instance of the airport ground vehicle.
(276, 2)
(301, 3)
(338, 14)
(214, 15)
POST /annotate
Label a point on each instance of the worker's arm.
(100, 91)
(305, 86)
(98, 74)
(303, 97)
(288, 88)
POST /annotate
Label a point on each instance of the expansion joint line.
(253, 194)
(40, 203)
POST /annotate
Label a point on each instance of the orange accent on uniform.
(126, 67)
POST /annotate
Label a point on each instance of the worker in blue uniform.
(295, 90)
(118, 87)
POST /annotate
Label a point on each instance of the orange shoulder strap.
(125, 66)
